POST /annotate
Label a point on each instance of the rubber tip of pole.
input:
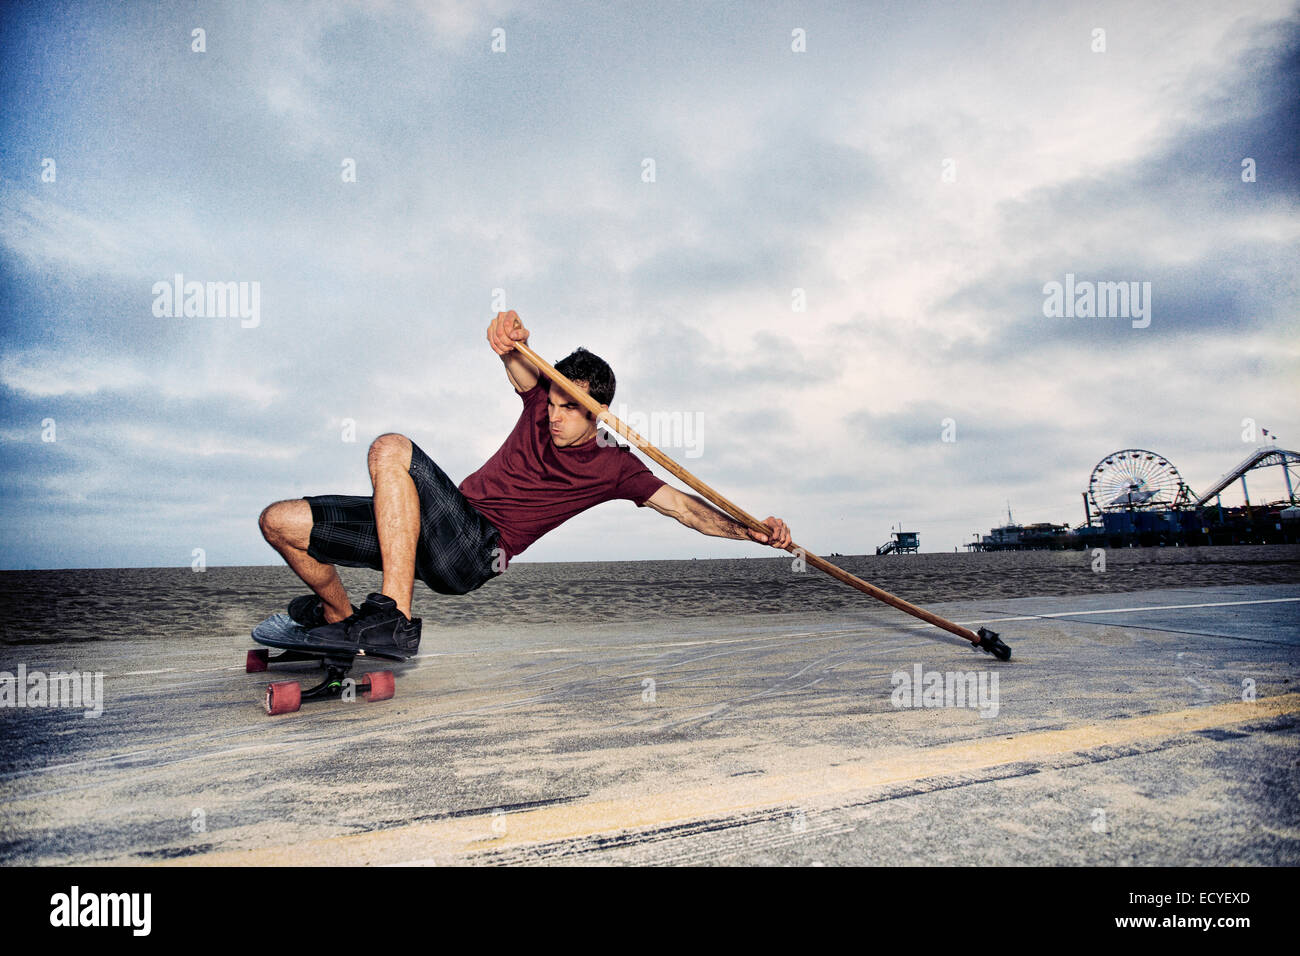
(990, 642)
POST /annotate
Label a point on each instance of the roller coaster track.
(1259, 458)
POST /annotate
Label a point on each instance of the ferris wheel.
(1135, 478)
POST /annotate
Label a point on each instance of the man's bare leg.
(397, 516)
(286, 525)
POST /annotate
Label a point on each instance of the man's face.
(571, 424)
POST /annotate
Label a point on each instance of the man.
(418, 524)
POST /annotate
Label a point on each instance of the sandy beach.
(178, 603)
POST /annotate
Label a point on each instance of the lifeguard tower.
(901, 542)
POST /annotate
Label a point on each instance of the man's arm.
(502, 334)
(703, 517)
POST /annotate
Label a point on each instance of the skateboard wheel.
(255, 663)
(283, 697)
(379, 685)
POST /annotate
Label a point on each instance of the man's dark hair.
(583, 366)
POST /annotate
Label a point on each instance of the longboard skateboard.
(283, 633)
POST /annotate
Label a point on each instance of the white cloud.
(45, 373)
(45, 234)
(168, 441)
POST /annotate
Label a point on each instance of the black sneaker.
(378, 627)
(309, 611)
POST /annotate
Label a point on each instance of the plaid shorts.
(457, 546)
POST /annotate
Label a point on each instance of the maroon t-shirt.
(530, 486)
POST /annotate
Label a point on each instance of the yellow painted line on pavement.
(448, 841)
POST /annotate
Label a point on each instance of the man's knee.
(287, 522)
(390, 449)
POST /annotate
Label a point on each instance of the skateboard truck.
(286, 696)
(990, 642)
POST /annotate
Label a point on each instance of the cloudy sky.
(807, 234)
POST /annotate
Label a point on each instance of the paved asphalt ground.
(1118, 736)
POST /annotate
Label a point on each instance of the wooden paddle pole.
(984, 638)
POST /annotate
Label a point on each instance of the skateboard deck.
(289, 637)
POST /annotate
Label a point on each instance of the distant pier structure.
(1137, 498)
(1021, 537)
